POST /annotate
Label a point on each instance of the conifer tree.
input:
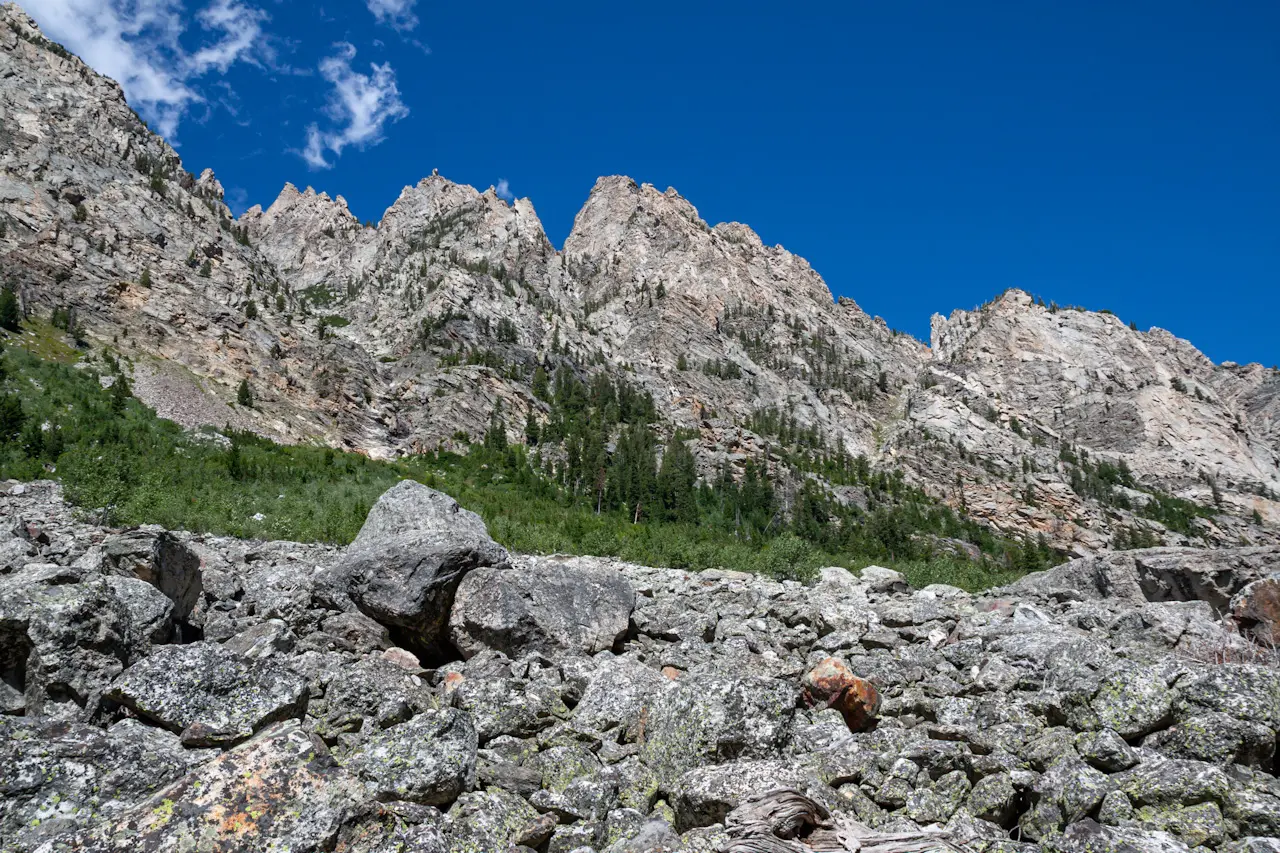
(244, 396)
(119, 394)
(540, 384)
(10, 314)
(495, 437)
(676, 480)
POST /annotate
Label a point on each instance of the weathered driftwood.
(786, 821)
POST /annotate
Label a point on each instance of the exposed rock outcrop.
(406, 335)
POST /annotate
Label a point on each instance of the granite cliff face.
(399, 337)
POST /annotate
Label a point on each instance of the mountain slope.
(423, 330)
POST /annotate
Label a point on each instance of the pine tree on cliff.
(10, 314)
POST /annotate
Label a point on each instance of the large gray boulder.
(373, 693)
(552, 607)
(618, 694)
(208, 694)
(404, 566)
(705, 795)
(61, 642)
(162, 560)
(1155, 574)
(710, 719)
(279, 791)
(57, 776)
(431, 759)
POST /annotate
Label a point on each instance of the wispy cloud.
(137, 43)
(242, 37)
(394, 13)
(503, 189)
(359, 105)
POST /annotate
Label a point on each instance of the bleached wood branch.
(786, 821)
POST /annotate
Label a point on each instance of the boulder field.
(425, 690)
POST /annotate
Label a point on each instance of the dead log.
(786, 821)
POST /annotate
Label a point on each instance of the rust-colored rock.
(1256, 609)
(833, 684)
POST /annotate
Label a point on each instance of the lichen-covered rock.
(208, 694)
(370, 694)
(993, 798)
(654, 836)
(63, 642)
(161, 559)
(1132, 702)
(1173, 782)
(1106, 751)
(938, 802)
(505, 706)
(1068, 792)
(545, 605)
(707, 719)
(1087, 836)
(704, 795)
(431, 759)
(487, 821)
(1196, 826)
(619, 694)
(1244, 691)
(263, 640)
(57, 777)
(1255, 811)
(150, 610)
(278, 791)
(1216, 738)
(407, 561)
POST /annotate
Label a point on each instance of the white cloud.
(359, 105)
(137, 43)
(504, 190)
(394, 13)
(242, 37)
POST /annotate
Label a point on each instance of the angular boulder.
(62, 643)
(430, 760)
(547, 606)
(405, 565)
(58, 777)
(618, 695)
(832, 684)
(279, 791)
(1088, 836)
(710, 719)
(162, 560)
(705, 795)
(208, 694)
(372, 693)
(1256, 609)
(488, 821)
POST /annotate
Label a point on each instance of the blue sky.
(922, 155)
